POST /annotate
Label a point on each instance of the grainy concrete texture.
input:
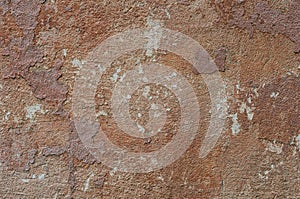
(254, 43)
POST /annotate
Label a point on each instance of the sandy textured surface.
(254, 44)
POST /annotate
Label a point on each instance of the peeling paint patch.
(25, 13)
(264, 19)
(53, 151)
(31, 159)
(220, 59)
(279, 119)
(45, 85)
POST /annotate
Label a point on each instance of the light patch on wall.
(64, 52)
(239, 88)
(274, 95)
(41, 176)
(298, 141)
(115, 76)
(235, 128)
(274, 147)
(146, 91)
(87, 182)
(25, 180)
(168, 13)
(32, 110)
(78, 63)
(101, 113)
(6, 116)
(249, 110)
(153, 34)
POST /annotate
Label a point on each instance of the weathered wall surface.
(255, 44)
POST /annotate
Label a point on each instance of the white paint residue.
(122, 77)
(128, 97)
(101, 113)
(264, 175)
(249, 110)
(154, 107)
(140, 69)
(243, 107)
(87, 182)
(255, 91)
(249, 113)
(6, 116)
(77, 63)
(113, 171)
(274, 95)
(100, 68)
(145, 79)
(166, 93)
(41, 177)
(115, 76)
(174, 86)
(153, 34)
(170, 77)
(31, 110)
(298, 141)
(249, 100)
(275, 148)
(55, 196)
(25, 180)
(64, 52)
(238, 87)
(141, 129)
(161, 178)
(168, 14)
(146, 91)
(235, 125)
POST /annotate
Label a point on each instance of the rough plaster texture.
(256, 47)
